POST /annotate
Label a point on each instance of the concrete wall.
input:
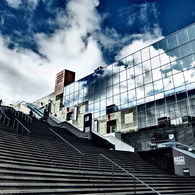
(184, 162)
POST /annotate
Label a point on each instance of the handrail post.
(112, 173)
(134, 186)
(99, 163)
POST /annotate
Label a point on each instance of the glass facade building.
(154, 83)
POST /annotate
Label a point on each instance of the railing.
(99, 164)
(17, 123)
(69, 144)
(128, 173)
(4, 117)
(26, 117)
(173, 144)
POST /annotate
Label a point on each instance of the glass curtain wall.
(158, 79)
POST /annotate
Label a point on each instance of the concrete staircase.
(46, 164)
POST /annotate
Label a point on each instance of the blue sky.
(39, 38)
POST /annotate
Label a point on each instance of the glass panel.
(146, 66)
(156, 73)
(147, 77)
(123, 86)
(191, 32)
(138, 69)
(130, 72)
(124, 98)
(116, 68)
(109, 81)
(109, 101)
(123, 76)
(163, 47)
(103, 104)
(168, 83)
(137, 57)
(185, 50)
(139, 92)
(187, 62)
(172, 41)
(158, 86)
(117, 100)
(189, 76)
(131, 83)
(129, 61)
(164, 59)
(178, 79)
(131, 95)
(139, 80)
(166, 70)
(115, 78)
(109, 92)
(154, 50)
(103, 94)
(182, 37)
(145, 54)
(155, 62)
(174, 54)
(192, 44)
(176, 66)
(149, 89)
(116, 89)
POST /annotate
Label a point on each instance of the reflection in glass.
(163, 47)
(191, 32)
(123, 76)
(139, 81)
(131, 84)
(153, 50)
(138, 69)
(187, 62)
(182, 37)
(156, 74)
(164, 59)
(155, 62)
(185, 50)
(145, 54)
(146, 66)
(140, 92)
(123, 86)
(147, 77)
(116, 78)
(116, 89)
(192, 44)
(137, 58)
(172, 41)
(174, 54)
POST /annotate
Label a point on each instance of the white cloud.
(18, 3)
(14, 3)
(74, 46)
(22, 76)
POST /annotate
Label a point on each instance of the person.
(155, 136)
(31, 113)
(0, 102)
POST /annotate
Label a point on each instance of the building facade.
(153, 86)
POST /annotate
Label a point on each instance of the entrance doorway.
(111, 126)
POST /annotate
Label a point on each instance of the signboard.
(87, 122)
(179, 160)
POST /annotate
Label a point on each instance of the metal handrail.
(5, 117)
(66, 141)
(23, 127)
(80, 153)
(135, 178)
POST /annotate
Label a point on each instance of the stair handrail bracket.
(17, 123)
(128, 173)
(4, 117)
